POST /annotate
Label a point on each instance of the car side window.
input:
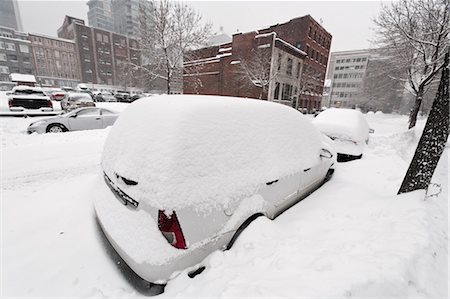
(107, 112)
(88, 112)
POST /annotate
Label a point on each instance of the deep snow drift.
(352, 237)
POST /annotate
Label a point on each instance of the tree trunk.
(433, 139)
(416, 108)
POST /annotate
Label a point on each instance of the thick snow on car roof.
(186, 150)
(343, 123)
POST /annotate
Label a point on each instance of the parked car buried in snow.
(348, 128)
(76, 100)
(23, 98)
(78, 119)
(182, 174)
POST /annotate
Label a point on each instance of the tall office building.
(9, 14)
(347, 71)
(100, 14)
(130, 15)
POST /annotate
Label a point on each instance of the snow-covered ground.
(351, 238)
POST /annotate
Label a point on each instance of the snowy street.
(353, 237)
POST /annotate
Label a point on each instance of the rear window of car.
(29, 91)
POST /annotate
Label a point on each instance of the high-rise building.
(130, 15)
(100, 14)
(15, 55)
(105, 57)
(9, 14)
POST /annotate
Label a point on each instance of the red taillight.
(171, 230)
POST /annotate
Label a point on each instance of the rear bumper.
(344, 147)
(134, 234)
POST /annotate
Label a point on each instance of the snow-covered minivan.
(182, 173)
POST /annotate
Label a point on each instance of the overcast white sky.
(350, 22)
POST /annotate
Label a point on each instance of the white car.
(27, 98)
(182, 174)
(78, 119)
(348, 128)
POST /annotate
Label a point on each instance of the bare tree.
(309, 84)
(433, 139)
(256, 70)
(125, 74)
(175, 29)
(415, 34)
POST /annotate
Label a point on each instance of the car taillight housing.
(10, 103)
(49, 104)
(171, 229)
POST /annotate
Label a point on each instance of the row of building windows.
(317, 37)
(13, 69)
(347, 85)
(344, 94)
(346, 75)
(360, 59)
(354, 67)
(12, 47)
(50, 42)
(315, 55)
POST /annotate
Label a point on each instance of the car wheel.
(56, 128)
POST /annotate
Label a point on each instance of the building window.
(279, 62)
(286, 93)
(24, 49)
(2, 45)
(364, 59)
(12, 57)
(2, 57)
(4, 69)
(317, 56)
(289, 66)
(299, 66)
(105, 38)
(307, 50)
(10, 46)
(99, 37)
(276, 93)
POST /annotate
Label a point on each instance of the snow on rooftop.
(343, 123)
(15, 77)
(291, 46)
(207, 151)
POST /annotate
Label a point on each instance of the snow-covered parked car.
(348, 128)
(76, 100)
(182, 174)
(78, 119)
(23, 98)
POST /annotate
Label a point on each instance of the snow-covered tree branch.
(415, 34)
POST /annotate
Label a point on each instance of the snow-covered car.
(76, 100)
(182, 174)
(78, 119)
(104, 96)
(24, 98)
(348, 128)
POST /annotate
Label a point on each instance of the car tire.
(56, 128)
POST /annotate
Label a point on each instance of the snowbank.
(187, 150)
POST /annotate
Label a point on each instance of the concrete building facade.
(10, 15)
(100, 14)
(55, 61)
(225, 69)
(15, 55)
(105, 57)
(347, 70)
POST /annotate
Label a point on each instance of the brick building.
(300, 35)
(55, 61)
(252, 65)
(105, 57)
(15, 56)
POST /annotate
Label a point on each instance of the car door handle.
(272, 182)
(98, 118)
(307, 169)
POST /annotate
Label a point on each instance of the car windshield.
(29, 91)
(79, 97)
